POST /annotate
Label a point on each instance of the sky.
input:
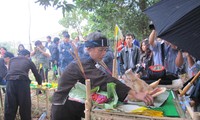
(15, 19)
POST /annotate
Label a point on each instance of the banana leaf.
(111, 94)
(78, 93)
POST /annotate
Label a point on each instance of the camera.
(151, 26)
(138, 68)
(36, 48)
(181, 50)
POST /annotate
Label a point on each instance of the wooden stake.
(47, 102)
(88, 101)
(37, 100)
(1, 99)
(196, 116)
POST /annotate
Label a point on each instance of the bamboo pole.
(190, 110)
(182, 94)
(118, 35)
(88, 102)
(188, 107)
(187, 87)
(114, 69)
(29, 26)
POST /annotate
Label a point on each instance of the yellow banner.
(118, 33)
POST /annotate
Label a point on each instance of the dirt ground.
(39, 103)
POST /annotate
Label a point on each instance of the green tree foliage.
(75, 19)
(104, 14)
(128, 14)
(66, 7)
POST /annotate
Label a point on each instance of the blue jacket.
(65, 54)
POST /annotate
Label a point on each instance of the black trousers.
(69, 111)
(17, 95)
(44, 74)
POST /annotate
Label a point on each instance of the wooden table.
(45, 92)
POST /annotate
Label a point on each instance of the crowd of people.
(94, 51)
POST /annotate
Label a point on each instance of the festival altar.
(171, 111)
(173, 108)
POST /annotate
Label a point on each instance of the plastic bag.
(111, 96)
(78, 93)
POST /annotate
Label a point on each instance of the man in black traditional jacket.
(18, 86)
(65, 109)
